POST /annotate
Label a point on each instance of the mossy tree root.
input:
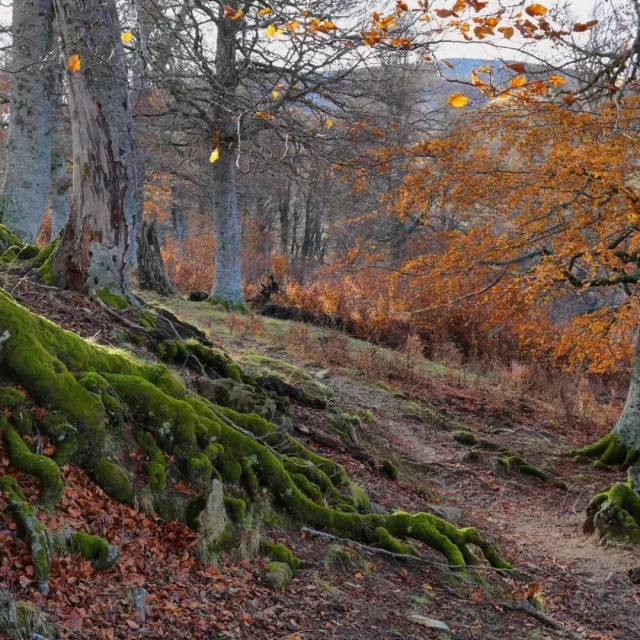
(607, 451)
(615, 514)
(29, 528)
(94, 391)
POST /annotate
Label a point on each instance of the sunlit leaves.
(270, 31)
(518, 67)
(458, 100)
(329, 123)
(265, 11)
(581, 27)
(126, 37)
(264, 115)
(274, 94)
(74, 63)
(231, 13)
(518, 81)
(215, 155)
(536, 10)
(402, 6)
(507, 32)
(556, 81)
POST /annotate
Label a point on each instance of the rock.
(237, 396)
(323, 374)
(198, 296)
(465, 437)
(213, 520)
(446, 512)
(279, 575)
(140, 597)
(428, 622)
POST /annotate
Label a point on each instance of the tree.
(95, 247)
(26, 181)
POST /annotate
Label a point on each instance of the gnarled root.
(90, 392)
(615, 513)
(608, 451)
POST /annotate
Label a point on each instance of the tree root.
(615, 513)
(91, 392)
(608, 451)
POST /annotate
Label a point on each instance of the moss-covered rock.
(280, 553)
(279, 575)
(235, 395)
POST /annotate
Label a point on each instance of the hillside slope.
(384, 412)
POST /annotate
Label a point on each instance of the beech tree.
(26, 182)
(95, 246)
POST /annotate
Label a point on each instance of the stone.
(279, 575)
(198, 296)
(446, 512)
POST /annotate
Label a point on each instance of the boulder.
(279, 575)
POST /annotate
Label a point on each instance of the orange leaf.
(74, 63)
(580, 27)
(536, 10)
(458, 100)
(556, 81)
(265, 11)
(518, 81)
(518, 67)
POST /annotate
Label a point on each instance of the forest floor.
(409, 412)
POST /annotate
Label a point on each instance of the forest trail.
(583, 584)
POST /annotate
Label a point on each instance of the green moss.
(111, 478)
(389, 469)
(157, 464)
(43, 468)
(173, 351)
(465, 437)
(103, 555)
(226, 305)
(236, 509)
(388, 542)
(607, 451)
(280, 553)
(14, 402)
(615, 513)
(520, 465)
(199, 469)
(112, 300)
(30, 528)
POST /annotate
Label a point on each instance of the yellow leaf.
(215, 155)
(274, 94)
(536, 10)
(270, 31)
(126, 37)
(74, 63)
(329, 123)
(264, 12)
(518, 81)
(557, 81)
(458, 100)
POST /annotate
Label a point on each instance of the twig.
(525, 606)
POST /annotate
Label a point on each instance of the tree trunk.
(26, 181)
(95, 250)
(227, 283)
(151, 273)
(627, 429)
(59, 196)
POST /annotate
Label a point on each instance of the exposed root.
(615, 513)
(608, 451)
(91, 393)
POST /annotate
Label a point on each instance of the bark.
(95, 249)
(627, 429)
(59, 196)
(26, 182)
(227, 283)
(151, 273)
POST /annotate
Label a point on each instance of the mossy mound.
(606, 452)
(92, 394)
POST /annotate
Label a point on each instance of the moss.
(465, 437)
(112, 300)
(385, 540)
(280, 553)
(339, 557)
(103, 555)
(389, 469)
(156, 466)
(111, 478)
(615, 513)
(226, 305)
(43, 468)
(30, 528)
(199, 469)
(279, 575)
(236, 509)
(520, 465)
(173, 351)
(14, 402)
(607, 451)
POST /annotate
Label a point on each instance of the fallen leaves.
(74, 63)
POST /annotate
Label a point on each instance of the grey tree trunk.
(627, 429)
(59, 196)
(227, 282)
(26, 182)
(95, 248)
